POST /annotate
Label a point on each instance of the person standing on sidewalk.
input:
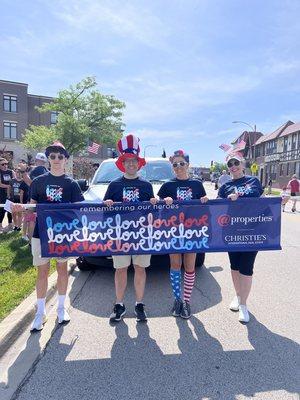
(39, 169)
(241, 263)
(52, 187)
(182, 188)
(294, 186)
(15, 184)
(130, 187)
(224, 178)
(6, 176)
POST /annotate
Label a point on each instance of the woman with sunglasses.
(182, 187)
(241, 263)
(6, 176)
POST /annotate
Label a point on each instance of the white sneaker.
(38, 322)
(63, 315)
(25, 238)
(243, 314)
(234, 305)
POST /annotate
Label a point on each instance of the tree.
(218, 167)
(84, 114)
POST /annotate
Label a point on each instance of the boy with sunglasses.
(241, 263)
(6, 176)
(52, 187)
(182, 187)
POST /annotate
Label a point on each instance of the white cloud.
(120, 18)
(155, 96)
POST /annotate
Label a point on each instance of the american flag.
(240, 145)
(93, 147)
(224, 147)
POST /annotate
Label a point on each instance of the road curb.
(13, 325)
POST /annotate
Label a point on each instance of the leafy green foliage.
(218, 167)
(83, 114)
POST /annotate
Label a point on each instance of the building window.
(294, 140)
(281, 169)
(9, 103)
(285, 144)
(295, 168)
(287, 169)
(10, 130)
(257, 151)
(273, 172)
(53, 117)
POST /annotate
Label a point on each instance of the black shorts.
(242, 261)
(293, 194)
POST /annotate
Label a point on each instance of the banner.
(85, 229)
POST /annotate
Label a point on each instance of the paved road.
(211, 356)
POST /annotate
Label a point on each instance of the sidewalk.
(20, 349)
(21, 317)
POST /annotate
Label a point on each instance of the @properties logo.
(224, 220)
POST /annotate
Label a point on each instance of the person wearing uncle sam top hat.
(52, 187)
(241, 263)
(182, 187)
(129, 187)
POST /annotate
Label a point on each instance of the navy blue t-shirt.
(15, 189)
(182, 189)
(5, 178)
(124, 190)
(246, 186)
(48, 188)
(25, 189)
(37, 171)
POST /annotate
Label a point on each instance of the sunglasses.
(55, 156)
(2, 165)
(232, 163)
(180, 163)
(130, 161)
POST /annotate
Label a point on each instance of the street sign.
(254, 168)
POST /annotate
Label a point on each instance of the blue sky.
(186, 69)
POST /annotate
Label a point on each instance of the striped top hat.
(128, 147)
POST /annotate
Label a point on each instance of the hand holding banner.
(141, 228)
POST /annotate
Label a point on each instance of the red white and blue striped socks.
(188, 284)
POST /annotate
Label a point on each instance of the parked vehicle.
(157, 171)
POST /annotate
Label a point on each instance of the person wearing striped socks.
(182, 188)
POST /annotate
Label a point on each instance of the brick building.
(17, 112)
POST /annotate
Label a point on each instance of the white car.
(157, 171)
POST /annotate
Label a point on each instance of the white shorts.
(37, 254)
(142, 260)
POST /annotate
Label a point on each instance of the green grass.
(17, 274)
(274, 192)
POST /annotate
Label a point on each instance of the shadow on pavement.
(158, 294)
(137, 368)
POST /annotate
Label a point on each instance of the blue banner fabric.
(85, 229)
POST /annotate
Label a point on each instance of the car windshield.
(153, 171)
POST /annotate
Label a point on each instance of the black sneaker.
(177, 306)
(118, 312)
(139, 310)
(186, 310)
